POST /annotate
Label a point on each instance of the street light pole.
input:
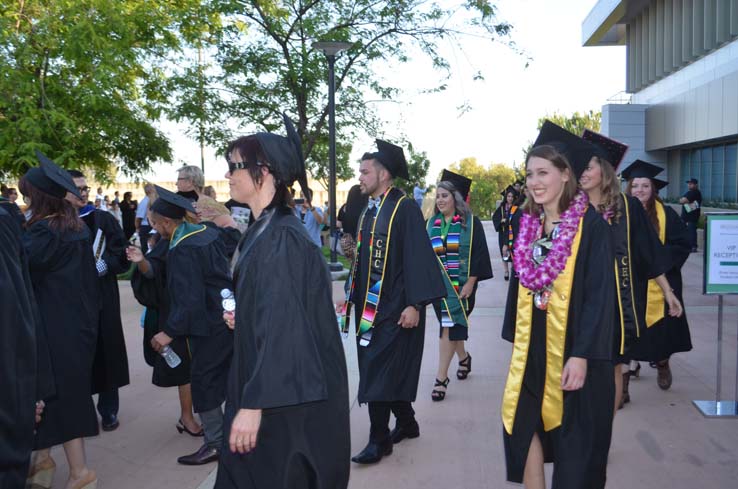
(331, 49)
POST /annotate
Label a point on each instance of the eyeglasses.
(83, 189)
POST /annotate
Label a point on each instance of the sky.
(562, 76)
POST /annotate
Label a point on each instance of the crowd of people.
(239, 313)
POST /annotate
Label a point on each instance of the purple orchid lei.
(541, 277)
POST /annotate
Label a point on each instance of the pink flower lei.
(541, 277)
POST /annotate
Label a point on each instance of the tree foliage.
(417, 168)
(487, 185)
(261, 62)
(575, 123)
(81, 80)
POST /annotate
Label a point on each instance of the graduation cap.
(578, 151)
(284, 155)
(460, 182)
(50, 179)
(641, 169)
(392, 158)
(608, 149)
(170, 204)
(659, 184)
(509, 189)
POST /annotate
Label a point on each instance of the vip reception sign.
(721, 253)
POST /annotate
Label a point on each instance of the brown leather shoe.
(203, 456)
(664, 377)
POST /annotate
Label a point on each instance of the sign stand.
(720, 278)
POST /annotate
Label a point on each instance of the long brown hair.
(609, 189)
(460, 206)
(558, 160)
(650, 205)
(60, 213)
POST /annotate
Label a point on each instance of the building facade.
(682, 77)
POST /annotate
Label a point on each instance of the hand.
(230, 319)
(134, 254)
(40, 405)
(675, 307)
(244, 430)
(160, 340)
(341, 307)
(574, 374)
(409, 317)
(467, 290)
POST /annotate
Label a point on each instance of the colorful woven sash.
(378, 242)
(453, 253)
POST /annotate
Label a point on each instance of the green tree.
(81, 80)
(488, 183)
(417, 168)
(575, 123)
(263, 63)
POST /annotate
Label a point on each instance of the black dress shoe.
(110, 424)
(203, 456)
(402, 432)
(373, 452)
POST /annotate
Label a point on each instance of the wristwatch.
(418, 307)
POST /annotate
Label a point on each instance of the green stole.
(184, 231)
(378, 242)
(454, 256)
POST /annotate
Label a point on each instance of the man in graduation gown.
(25, 369)
(394, 277)
(110, 368)
(197, 271)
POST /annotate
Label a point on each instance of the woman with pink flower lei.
(558, 400)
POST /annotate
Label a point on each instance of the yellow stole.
(655, 297)
(557, 317)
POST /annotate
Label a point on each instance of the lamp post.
(331, 49)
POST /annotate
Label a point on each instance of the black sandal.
(437, 395)
(465, 363)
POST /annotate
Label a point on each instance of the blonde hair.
(609, 189)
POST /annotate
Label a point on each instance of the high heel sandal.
(181, 427)
(507, 275)
(465, 363)
(437, 395)
(41, 475)
(89, 482)
(636, 372)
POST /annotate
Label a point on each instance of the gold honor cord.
(630, 270)
(655, 296)
(557, 317)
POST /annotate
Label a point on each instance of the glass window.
(683, 171)
(717, 175)
(731, 185)
(705, 175)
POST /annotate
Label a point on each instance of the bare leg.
(505, 266)
(618, 386)
(533, 476)
(461, 353)
(446, 350)
(185, 406)
(78, 470)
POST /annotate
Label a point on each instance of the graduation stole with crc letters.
(454, 257)
(655, 303)
(557, 317)
(184, 231)
(378, 242)
(629, 327)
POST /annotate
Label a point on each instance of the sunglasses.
(241, 165)
(83, 189)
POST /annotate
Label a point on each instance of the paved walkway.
(660, 439)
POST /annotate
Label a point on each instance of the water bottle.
(170, 356)
(229, 300)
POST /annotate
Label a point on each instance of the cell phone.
(299, 201)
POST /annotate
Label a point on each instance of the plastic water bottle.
(170, 356)
(229, 301)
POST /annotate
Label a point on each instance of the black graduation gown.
(649, 260)
(128, 216)
(499, 219)
(152, 292)
(13, 210)
(480, 266)
(389, 368)
(19, 366)
(288, 361)
(669, 335)
(197, 270)
(579, 446)
(110, 368)
(64, 281)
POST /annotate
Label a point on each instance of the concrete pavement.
(660, 440)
